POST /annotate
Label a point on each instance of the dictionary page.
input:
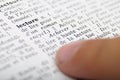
(31, 31)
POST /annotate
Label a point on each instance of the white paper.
(31, 31)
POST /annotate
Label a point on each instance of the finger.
(92, 59)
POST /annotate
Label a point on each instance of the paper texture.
(31, 31)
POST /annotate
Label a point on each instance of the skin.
(91, 59)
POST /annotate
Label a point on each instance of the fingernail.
(68, 51)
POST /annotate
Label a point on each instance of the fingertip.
(76, 59)
(66, 52)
